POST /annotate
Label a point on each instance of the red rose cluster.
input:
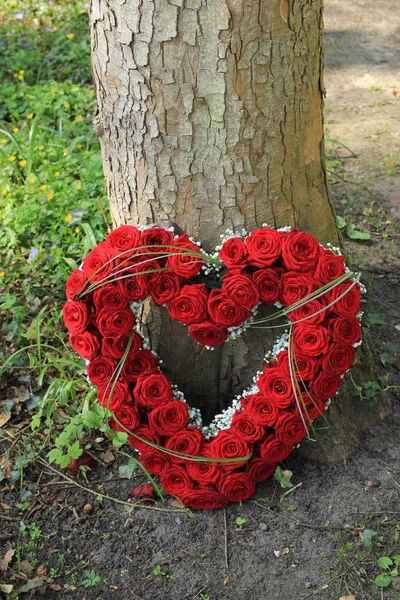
(267, 266)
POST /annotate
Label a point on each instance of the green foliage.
(391, 567)
(91, 578)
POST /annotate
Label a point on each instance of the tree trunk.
(209, 114)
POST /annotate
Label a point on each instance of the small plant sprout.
(91, 578)
(283, 477)
(240, 521)
(391, 570)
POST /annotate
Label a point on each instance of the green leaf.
(75, 450)
(357, 234)
(89, 235)
(367, 536)
(341, 222)
(397, 560)
(127, 470)
(383, 580)
(91, 419)
(385, 562)
(54, 455)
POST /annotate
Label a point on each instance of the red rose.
(98, 264)
(325, 386)
(305, 367)
(203, 498)
(329, 267)
(228, 445)
(184, 263)
(122, 239)
(142, 362)
(276, 385)
(345, 330)
(101, 370)
(154, 461)
(311, 408)
(338, 359)
(76, 284)
(305, 313)
(233, 253)
(132, 285)
(127, 415)
(268, 282)
(300, 251)
(144, 432)
(236, 487)
(311, 339)
(76, 316)
(241, 289)
(349, 304)
(186, 441)
(208, 334)
(85, 344)
(224, 311)
(119, 395)
(245, 427)
(264, 247)
(108, 296)
(263, 410)
(158, 236)
(152, 390)
(190, 305)
(274, 450)
(164, 287)
(116, 346)
(259, 469)
(115, 322)
(290, 428)
(203, 472)
(295, 287)
(169, 418)
(176, 481)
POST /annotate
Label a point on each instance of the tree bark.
(209, 114)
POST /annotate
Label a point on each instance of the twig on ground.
(106, 496)
(226, 542)
(394, 478)
(103, 212)
(290, 490)
(362, 187)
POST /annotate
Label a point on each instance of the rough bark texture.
(209, 114)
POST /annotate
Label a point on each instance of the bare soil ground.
(294, 546)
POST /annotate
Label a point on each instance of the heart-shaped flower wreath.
(217, 297)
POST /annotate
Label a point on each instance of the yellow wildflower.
(53, 90)
(41, 147)
(86, 153)
(4, 141)
(70, 36)
(21, 72)
(57, 173)
(31, 180)
(50, 196)
(4, 192)
(15, 130)
(11, 158)
(42, 187)
(68, 218)
(79, 146)
(22, 163)
(30, 96)
(78, 186)
(2, 273)
(66, 150)
(78, 118)
(77, 229)
(67, 105)
(30, 116)
(21, 77)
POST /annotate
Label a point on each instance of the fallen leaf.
(84, 460)
(143, 492)
(396, 93)
(347, 597)
(41, 570)
(4, 562)
(8, 507)
(226, 580)
(68, 586)
(55, 586)
(107, 457)
(177, 504)
(6, 588)
(4, 417)
(279, 553)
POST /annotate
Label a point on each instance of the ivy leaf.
(127, 470)
(384, 562)
(75, 450)
(357, 234)
(383, 580)
(367, 536)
